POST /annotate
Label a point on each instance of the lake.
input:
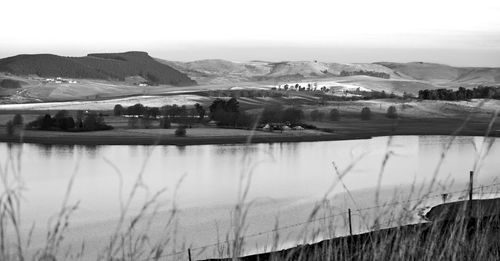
(286, 180)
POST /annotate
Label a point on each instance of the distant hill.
(220, 71)
(423, 74)
(441, 73)
(108, 66)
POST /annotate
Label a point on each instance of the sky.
(462, 33)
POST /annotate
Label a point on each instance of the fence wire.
(353, 213)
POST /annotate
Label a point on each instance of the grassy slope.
(425, 241)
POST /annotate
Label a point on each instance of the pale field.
(415, 108)
(151, 101)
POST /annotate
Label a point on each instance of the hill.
(107, 66)
(382, 76)
(441, 73)
(215, 71)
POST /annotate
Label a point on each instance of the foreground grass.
(476, 239)
(462, 240)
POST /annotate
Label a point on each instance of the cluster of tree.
(462, 94)
(365, 95)
(324, 98)
(248, 93)
(392, 113)
(366, 114)
(137, 110)
(173, 112)
(278, 114)
(227, 113)
(363, 72)
(334, 115)
(62, 121)
(317, 115)
(300, 88)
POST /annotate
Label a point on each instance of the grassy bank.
(465, 240)
(327, 131)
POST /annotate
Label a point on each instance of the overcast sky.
(465, 33)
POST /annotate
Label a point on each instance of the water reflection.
(212, 172)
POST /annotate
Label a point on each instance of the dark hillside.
(48, 65)
(112, 66)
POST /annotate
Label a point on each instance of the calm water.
(286, 178)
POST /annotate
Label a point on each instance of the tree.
(233, 105)
(334, 115)
(217, 105)
(366, 114)
(151, 112)
(200, 110)
(61, 114)
(79, 119)
(61, 120)
(226, 113)
(79, 115)
(180, 131)
(136, 109)
(18, 120)
(90, 121)
(66, 123)
(391, 112)
(46, 122)
(118, 110)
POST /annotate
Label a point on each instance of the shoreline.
(97, 139)
(174, 141)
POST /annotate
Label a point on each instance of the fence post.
(189, 253)
(471, 185)
(350, 222)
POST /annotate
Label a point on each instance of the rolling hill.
(399, 77)
(222, 71)
(441, 73)
(106, 66)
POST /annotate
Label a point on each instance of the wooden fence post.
(471, 182)
(471, 187)
(350, 222)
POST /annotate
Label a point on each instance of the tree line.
(63, 121)
(173, 112)
(363, 72)
(462, 94)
